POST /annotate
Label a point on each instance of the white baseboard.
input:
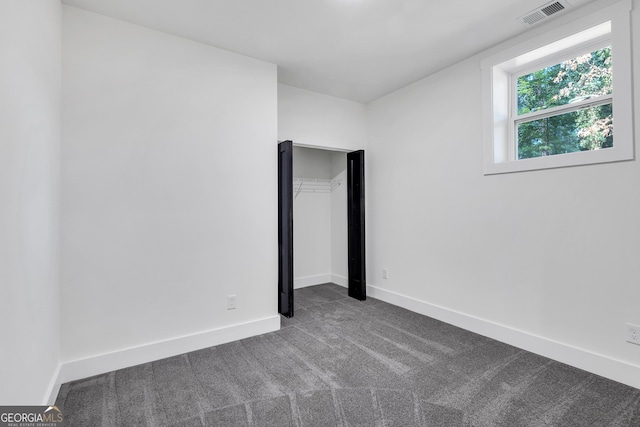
(303, 282)
(339, 280)
(598, 364)
(102, 363)
(54, 387)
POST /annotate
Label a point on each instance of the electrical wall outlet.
(633, 333)
(385, 273)
(231, 302)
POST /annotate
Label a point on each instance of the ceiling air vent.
(543, 12)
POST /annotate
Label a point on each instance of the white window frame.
(608, 26)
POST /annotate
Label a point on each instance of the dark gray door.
(355, 215)
(285, 228)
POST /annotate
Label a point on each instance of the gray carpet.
(342, 362)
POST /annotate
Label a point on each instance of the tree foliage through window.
(585, 77)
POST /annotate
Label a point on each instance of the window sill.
(605, 155)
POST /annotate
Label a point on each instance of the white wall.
(316, 120)
(169, 190)
(29, 199)
(311, 220)
(311, 163)
(339, 231)
(552, 254)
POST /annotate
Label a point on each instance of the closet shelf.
(315, 185)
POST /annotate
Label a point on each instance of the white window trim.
(498, 102)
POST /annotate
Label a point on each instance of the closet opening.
(321, 227)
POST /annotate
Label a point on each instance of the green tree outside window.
(585, 77)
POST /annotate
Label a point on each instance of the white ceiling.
(353, 49)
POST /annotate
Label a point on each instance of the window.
(564, 108)
(562, 98)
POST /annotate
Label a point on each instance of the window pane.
(583, 77)
(582, 130)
